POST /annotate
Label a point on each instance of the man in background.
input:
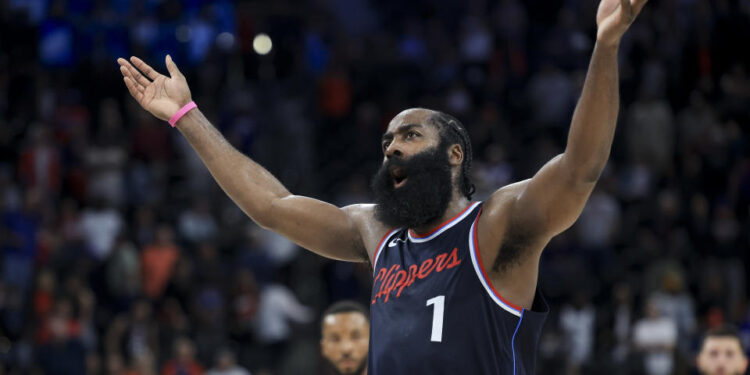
(722, 353)
(345, 338)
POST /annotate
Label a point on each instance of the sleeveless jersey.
(434, 311)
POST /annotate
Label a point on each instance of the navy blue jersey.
(433, 310)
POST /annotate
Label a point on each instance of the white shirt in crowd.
(657, 338)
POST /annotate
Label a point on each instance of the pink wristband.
(177, 116)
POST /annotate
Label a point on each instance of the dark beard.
(358, 371)
(425, 194)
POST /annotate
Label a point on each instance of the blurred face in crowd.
(415, 183)
(722, 355)
(184, 350)
(225, 360)
(345, 342)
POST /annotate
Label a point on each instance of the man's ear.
(455, 155)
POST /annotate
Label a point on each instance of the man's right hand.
(161, 95)
(338, 233)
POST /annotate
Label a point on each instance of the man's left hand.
(614, 17)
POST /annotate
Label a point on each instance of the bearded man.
(455, 282)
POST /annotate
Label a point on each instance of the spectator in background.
(19, 232)
(209, 328)
(721, 353)
(345, 335)
(197, 224)
(278, 308)
(44, 294)
(101, 223)
(577, 323)
(157, 262)
(63, 354)
(106, 157)
(675, 303)
(655, 336)
(115, 364)
(599, 220)
(226, 364)
(144, 227)
(69, 221)
(142, 364)
(133, 334)
(622, 323)
(183, 362)
(550, 94)
(123, 273)
(650, 130)
(40, 164)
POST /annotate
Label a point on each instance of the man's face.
(345, 342)
(415, 183)
(409, 133)
(722, 356)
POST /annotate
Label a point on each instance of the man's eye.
(386, 144)
(411, 134)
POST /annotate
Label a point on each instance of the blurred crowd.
(120, 255)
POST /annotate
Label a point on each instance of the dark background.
(117, 246)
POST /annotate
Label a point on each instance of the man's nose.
(394, 149)
(347, 347)
(392, 152)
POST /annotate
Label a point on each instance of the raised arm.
(315, 225)
(552, 200)
(518, 220)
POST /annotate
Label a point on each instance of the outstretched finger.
(133, 90)
(145, 68)
(129, 70)
(137, 76)
(172, 67)
(138, 80)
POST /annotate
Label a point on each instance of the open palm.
(614, 17)
(162, 96)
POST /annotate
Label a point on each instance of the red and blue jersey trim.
(414, 237)
(476, 260)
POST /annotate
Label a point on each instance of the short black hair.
(345, 307)
(726, 331)
(453, 132)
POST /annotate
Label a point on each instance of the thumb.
(172, 67)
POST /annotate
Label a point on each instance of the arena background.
(119, 250)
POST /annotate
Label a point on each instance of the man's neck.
(457, 204)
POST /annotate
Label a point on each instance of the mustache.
(415, 163)
(405, 164)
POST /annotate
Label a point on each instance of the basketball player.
(345, 335)
(455, 283)
(722, 353)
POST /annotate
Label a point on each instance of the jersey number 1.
(437, 317)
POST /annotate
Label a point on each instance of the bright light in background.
(262, 44)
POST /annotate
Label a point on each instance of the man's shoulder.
(359, 209)
(370, 228)
(501, 202)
